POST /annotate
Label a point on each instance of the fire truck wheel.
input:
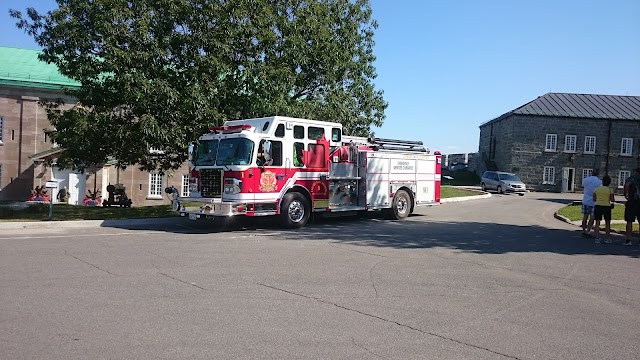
(295, 210)
(401, 206)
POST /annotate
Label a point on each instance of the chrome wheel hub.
(296, 211)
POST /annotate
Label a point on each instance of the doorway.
(568, 179)
(77, 184)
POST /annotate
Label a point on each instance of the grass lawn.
(450, 191)
(40, 212)
(574, 212)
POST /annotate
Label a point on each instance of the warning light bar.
(229, 129)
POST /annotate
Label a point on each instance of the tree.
(157, 73)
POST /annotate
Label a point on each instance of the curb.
(22, 225)
(465, 198)
(579, 223)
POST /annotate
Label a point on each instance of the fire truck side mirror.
(267, 150)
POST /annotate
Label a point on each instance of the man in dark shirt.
(632, 207)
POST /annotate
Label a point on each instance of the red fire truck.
(293, 167)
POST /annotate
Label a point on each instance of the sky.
(446, 67)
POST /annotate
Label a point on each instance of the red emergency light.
(228, 129)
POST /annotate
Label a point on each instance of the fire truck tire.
(401, 206)
(295, 210)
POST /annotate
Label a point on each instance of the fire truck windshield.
(205, 154)
(234, 151)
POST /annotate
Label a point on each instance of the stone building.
(556, 140)
(24, 147)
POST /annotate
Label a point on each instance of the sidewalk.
(17, 225)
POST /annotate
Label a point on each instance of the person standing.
(589, 184)
(63, 195)
(632, 207)
(603, 198)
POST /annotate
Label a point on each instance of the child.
(603, 197)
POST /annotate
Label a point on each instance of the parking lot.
(482, 279)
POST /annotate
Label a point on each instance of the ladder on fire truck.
(380, 144)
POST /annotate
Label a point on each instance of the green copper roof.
(21, 67)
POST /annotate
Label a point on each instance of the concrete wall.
(23, 135)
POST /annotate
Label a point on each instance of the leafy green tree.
(158, 73)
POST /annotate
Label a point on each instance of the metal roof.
(580, 106)
(21, 67)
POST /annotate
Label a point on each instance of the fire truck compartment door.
(378, 182)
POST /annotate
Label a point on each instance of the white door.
(568, 179)
(62, 177)
(76, 188)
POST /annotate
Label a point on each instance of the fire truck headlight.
(232, 186)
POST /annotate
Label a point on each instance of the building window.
(549, 175)
(623, 175)
(1, 128)
(298, 132)
(570, 143)
(551, 143)
(184, 190)
(155, 185)
(589, 144)
(586, 173)
(626, 147)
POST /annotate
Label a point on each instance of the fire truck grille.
(210, 182)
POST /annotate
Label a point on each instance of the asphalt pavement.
(493, 278)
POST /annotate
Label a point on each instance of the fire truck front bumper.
(212, 210)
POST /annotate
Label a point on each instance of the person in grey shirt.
(589, 184)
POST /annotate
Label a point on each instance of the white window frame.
(589, 144)
(551, 142)
(549, 175)
(184, 188)
(570, 143)
(155, 185)
(622, 176)
(586, 173)
(626, 147)
(1, 129)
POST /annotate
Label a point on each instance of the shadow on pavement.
(561, 201)
(371, 231)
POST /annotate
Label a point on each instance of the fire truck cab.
(293, 167)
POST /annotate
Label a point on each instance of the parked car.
(502, 182)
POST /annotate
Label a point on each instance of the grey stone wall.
(527, 157)
(501, 134)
